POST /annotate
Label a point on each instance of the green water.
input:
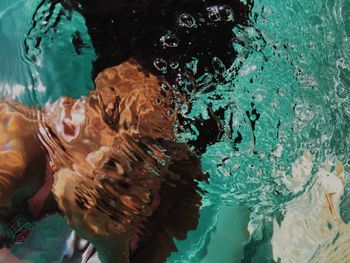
(296, 77)
(54, 73)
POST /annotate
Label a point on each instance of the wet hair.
(171, 30)
(180, 40)
(165, 37)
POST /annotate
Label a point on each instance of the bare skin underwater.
(108, 162)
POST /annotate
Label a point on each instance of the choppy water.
(286, 100)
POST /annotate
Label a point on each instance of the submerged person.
(190, 43)
(108, 162)
(119, 176)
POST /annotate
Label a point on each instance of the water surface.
(285, 99)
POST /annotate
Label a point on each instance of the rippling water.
(285, 112)
(37, 58)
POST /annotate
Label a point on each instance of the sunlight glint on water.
(296, 77)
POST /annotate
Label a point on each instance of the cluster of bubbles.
(265, 122)
(220, 13)
(187, 21)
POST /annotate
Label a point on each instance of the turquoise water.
(293, 85)
(53, 73)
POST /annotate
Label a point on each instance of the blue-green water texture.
(266, 199)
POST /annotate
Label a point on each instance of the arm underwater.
(109, 162)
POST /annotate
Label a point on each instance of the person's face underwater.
(120, 178)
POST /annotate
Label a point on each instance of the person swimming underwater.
(108, 162)
(186, 42)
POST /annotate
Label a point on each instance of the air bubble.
(164, 87)
(226, 13)
(220, 13)
(174, 64)
(180, 80)
(184, 108)
(169, 40)
(186, 20)
(213, 13)
(160, 64)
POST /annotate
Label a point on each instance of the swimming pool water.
(288, 103)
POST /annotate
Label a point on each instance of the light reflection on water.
(296, 77)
